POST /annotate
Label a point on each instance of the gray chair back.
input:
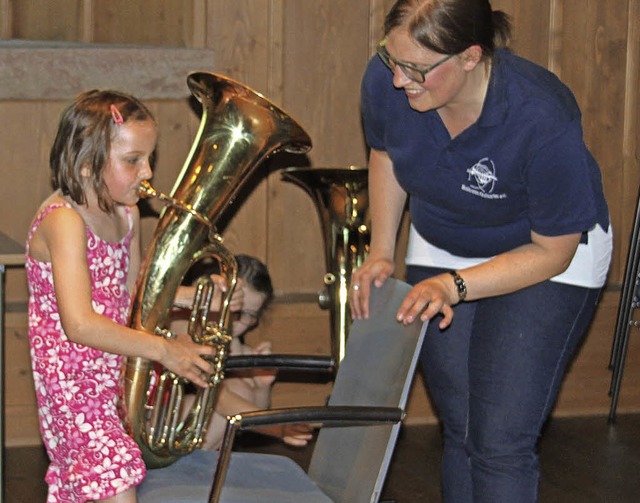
(350, 463)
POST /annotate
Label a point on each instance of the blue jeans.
(493, 377)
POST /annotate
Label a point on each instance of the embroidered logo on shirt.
(483, 174)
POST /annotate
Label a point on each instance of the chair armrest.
(334, 415)
(328, 415)
(283, 362)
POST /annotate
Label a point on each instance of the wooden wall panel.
(25, 163)
(586, 387)
(21, 421)
(143, 22)
(530, 24)
(593, 64)
(295, 248)
(42, 20)
(334, 59)
(241, 34)
(321, 89)
(630, 158)
(25, 178)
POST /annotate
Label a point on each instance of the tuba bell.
(238, 130)
(341, 198)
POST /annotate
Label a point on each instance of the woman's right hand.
(185, 358)
(374, 271)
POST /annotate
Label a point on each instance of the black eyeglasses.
(411, 71)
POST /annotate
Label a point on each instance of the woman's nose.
(399, 77)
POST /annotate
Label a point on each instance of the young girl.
(251, 390)
(82, 260)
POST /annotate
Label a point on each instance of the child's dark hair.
(256, 275)
(84, 136)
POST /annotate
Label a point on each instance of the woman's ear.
(471, 56)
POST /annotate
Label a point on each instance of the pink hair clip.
(116, 115)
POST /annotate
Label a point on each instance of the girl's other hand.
(261, 378)
(186, 358)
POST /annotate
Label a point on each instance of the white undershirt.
(588, 268)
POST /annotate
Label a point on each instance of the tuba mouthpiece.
(146, 190)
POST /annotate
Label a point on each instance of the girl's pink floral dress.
(78, 388)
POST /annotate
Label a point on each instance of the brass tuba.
(238, 130)
(341, 198)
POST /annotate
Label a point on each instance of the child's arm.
(64, 235)
(261, 380)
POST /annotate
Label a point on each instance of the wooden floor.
(584, 460)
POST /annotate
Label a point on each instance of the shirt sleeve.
(560, 182)
(373, 103)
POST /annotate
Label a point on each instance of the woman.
(510, 240)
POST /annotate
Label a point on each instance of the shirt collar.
(496, 105)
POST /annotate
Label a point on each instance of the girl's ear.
(85, 171)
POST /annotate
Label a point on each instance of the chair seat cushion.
(264, 478)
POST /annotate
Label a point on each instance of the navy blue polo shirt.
(522, 167)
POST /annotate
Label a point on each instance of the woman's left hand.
(427, 299)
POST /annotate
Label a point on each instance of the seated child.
(252, 391)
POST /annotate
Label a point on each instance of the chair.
(360, 425)
(629, 303)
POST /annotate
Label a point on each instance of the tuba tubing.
(238, 130)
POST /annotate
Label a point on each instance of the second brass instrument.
(342, 200)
